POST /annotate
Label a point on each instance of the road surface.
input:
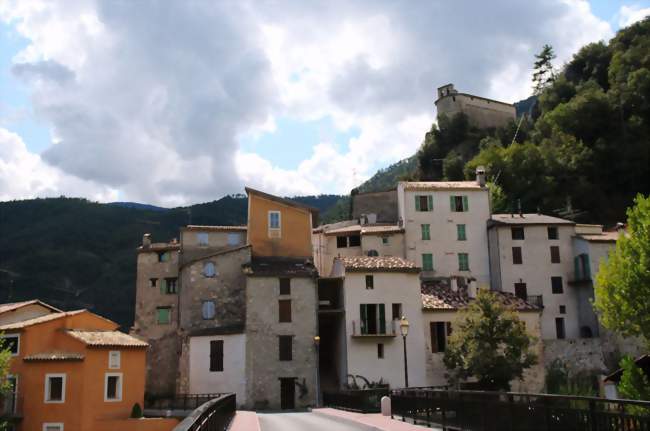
(303, 422)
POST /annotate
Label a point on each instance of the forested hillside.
(73, 253)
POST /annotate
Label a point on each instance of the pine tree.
(543, 73)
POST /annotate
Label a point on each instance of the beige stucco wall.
(216, 238)
(389, 288)
(444, 244)
(24, 313)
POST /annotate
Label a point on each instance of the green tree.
(543, 73)
(623, 281)
(490, 343)
(634, 384)
(5, 359)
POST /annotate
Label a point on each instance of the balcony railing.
(537, 300)
(365, 328)
(214, 415)
(362, 400)
(180, 401)
(11, 405)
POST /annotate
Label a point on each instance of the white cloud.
(151, 98)
(628, 15)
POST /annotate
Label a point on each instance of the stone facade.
(481, 111)
(382, 204)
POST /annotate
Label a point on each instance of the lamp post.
(317, 344)
(404, 329)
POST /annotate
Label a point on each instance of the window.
(341, 241)
(384, 240)
(397, 311)
(439, 332)
(552, 232)
(555, 254)
(373, 318)
(208, 310)
(517, 233)
(209, 269)
(463, 262)
(163, 315)
(426, 231)
(516, 256)
(114, 359)
(285, 286)
(50, 426)
(168, 286)
(559, 328)
(556, 285)
(286, 347)
(274, 219)
(153, 282)
(423, 203)
(285, 310)
(562, 309)
(459, 204)
(216, 355)
(582, 267)
(164, 256)
(55, 388)
(113, 387)
(354, 241)
(380, 351)
(521, 291)
(460, 232)
(202, 238)
(370, 282)
(427, 262)
(234, 238)
(12, 342)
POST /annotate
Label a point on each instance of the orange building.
(73, 371)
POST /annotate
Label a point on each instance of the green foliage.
(543, 73)
(489, 342)
(623, 281)
(634, 384)
(136, 411)
(5, 359)
(561, 382)
(387, 178)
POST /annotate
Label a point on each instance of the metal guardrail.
(181, 401)
(510, 411)
(214, 415)
(362, 328)
(362, 400)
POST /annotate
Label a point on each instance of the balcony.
(537, 300)
(370, 328)
(11, 405)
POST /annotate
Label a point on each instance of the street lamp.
(317, 344)
(404, 329)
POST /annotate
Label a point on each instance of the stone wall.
(384, 204)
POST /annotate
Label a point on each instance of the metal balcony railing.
(377, 328)
(537, 300)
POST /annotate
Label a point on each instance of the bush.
(136, 411)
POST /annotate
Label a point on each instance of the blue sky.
(313, 99)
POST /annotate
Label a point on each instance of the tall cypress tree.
(543, 73)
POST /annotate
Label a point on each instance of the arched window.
(208, 310)
(209, 270)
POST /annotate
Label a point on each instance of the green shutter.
(163, 286)
(452, 203)
(426, 232)
(465, 204)
(364, 318)
(427, 262)
(382, 319)
(417, 203)
(463, 262)
(587, 267)
(461, 232)
(430, 203)
(576, 267)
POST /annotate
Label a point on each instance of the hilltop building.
(481, 111)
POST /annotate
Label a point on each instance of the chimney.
(146, 240)
(480, 176)
(620, 227)
(521, 214)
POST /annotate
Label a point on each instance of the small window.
(114, 360)
(216, 355)
(209, 269)
(521, 291)
(169, 286)
(556, 285)
(208, 310)
(397, 311)
(439, 332)
(516, 256)
(163, 315)
(384, 240)
(552, 232)
(234, 238)
(284, 310)
(113, 387)
(202, 238)
(55, 388)
(423, 203)
(427, 262)
(370, 282)
(354, 240)
(285, 286)
(274, 219)
(48, 426)
(459, 204)
(426, 231)
(463, 262)
(461, 234)
(153, 282)
(11, 342)
(517, 233)
(555, 254)
(562, 309)
(285, 343)
(380, 351)
(164, 256)
(559, 328)
(341, 241)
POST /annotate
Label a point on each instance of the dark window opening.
(216, 355)
(170, 286)
(521, 291)
(516, 256)
(397, 311)
(285, 310)
(153, 282)
(373, 318)
(341, 241)
(439, 333)
(285, 286)
(10, 342)
(586, 332)
(459, 203)
(111, 387)
(552, 233)
(380, 351)
(55, 389)
(517, 233)
(355, 240)
(555, 254)
(286, 347)
(556, 285)
(559, 328)
(562, 309)
(370, 282)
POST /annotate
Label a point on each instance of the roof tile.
(106, 338)
(438, 295)
(377, 263)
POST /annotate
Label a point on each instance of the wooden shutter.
(163, 286)
(216, 355)
(434, 337)
(417, 203)
(465, 203)
(363, 312)
(382, 318)
(452, 203)
(430, 203)
(516, 255)
(285, 310)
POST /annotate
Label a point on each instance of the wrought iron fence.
(180, 401)
(362, 400)
(511, 411)
(214, 415)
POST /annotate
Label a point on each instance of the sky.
(174, 103)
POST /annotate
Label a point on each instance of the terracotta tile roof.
(346, 229)
(377, 264)
(106, 338)
(54, 356)
(602, 237)
(160, 246)
(439, 296)
(337, 225)
(4, 308)
(378, 230)
(534, 218)
(442, 185)
(215, 228)
(280, 266)
(37, 320)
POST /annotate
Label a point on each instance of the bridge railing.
(180, 401)
(214, 415)
(361, 400)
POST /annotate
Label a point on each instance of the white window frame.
(111, 365)
(46, 425)
(120, 382)
(47, 388)
(17, 337)
(200, 235)
(279, 220)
